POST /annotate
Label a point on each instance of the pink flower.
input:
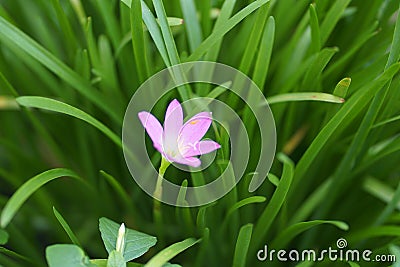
(179, 142)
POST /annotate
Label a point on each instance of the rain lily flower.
(179, 142)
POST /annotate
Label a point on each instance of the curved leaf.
(168, 253)
(292, 231)
(27, 189)
(57, 106)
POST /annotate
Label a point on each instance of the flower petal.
(153, 128)
(201, 148)
(190, 161)
(195, 128)
(172, 125)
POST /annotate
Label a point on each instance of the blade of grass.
(138, 41)
(170, 45)
(363, 131)
(27, 189)
(271, 211)
(311, 96)
(154, 30)
(353, 106)
(331, 19)
(294, 230)
(170, 252)
(264, 55)
(192, 25)
(242, 245)
(315, 32)
(244, 202)
(57, 106)
(220, 32)
(25, 43)
(66, 227)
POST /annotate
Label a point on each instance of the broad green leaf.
(315, 96)
(57, 106)
(170, 252)
(353, 264)
(66, 227)
(292, 231)
(267, 217)
(3, 237)
(67, 256)
(136, 243)
(27, 189)
(242, 245)
(116, 259)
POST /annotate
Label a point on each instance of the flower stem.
(157, 195)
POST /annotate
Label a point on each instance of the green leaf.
(244, 202)
(154, 30)
(264, 55)
(116, 259)
(103, 263)
(136, 243)
(268, 215)
(57, 106)
(170, 252)
(27, 189)
(395, 250)
(353, 264)
(192, 25)
(332, 18)
(292, 231)
(166, 32)
(373, 232)
(353, 106)
(312, 96)
(138, 41)
(28, 45)
(220, 32)
(273, 179)
(317, 66)
(315, 32)
(342, 87)
(117, 187)
(67, 256)
(66, 227)
(242, 245)
(3, 237)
